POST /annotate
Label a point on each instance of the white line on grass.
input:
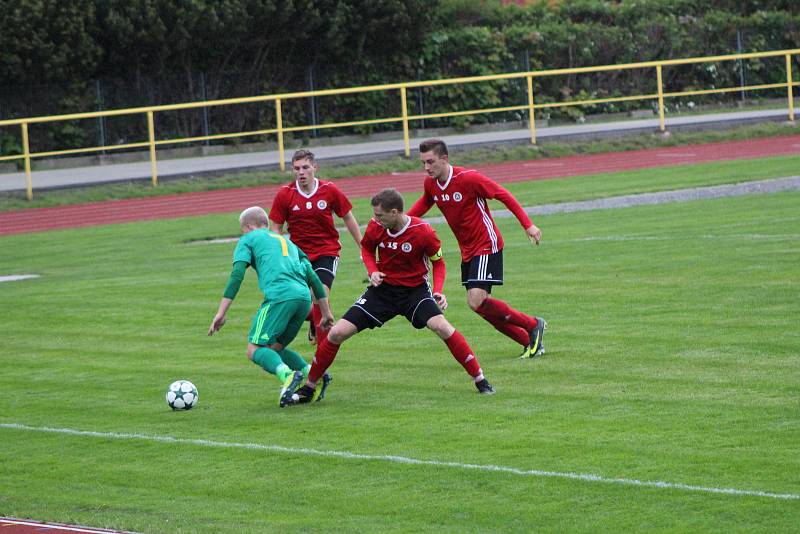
(17, 277)
(404, 460)
(216, 241)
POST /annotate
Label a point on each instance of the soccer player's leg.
(319, 392)
(427, 314)
(312, 329)
(480, 302)
(369, 311)
(260, 338)
(325, 269)
(271, 361)
(273, 327)
(290, 385)
(314, 317)
(293, 314)
(318, 380)
(478, 276)
(296, 311)
(536, 347)
(462, 352)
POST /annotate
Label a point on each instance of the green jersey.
(283, 269)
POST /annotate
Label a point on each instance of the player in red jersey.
(306, 206)
(461, 196)
(398, 251)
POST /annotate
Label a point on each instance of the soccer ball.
(182, 395)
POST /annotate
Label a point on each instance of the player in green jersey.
(284, 276)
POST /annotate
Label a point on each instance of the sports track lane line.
(225, 201)
(406, 460)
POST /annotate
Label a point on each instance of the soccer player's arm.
(370, 260)
(421, 206)
(277, 215)
(490, 189)
(231, 289)
(439, 270)
(352, 226)
(235, 280)
(343, 208)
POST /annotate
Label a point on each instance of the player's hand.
(534, 234)
(441, 300)
(326, 322)
(216, 324)
(376, 278)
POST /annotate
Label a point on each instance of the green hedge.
(61, 57)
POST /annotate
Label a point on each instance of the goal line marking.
(405, 460)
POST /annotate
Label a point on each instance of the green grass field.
(667, 399)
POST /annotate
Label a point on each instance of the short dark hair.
(388, 199)
(304, 154)
(436, 145)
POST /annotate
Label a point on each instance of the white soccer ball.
(182, 395)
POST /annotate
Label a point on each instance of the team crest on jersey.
(308, 205)
(321, 204)
(406, 247)
(457, 196)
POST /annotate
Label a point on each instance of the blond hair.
(254, 215)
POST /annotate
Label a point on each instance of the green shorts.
(278, 322)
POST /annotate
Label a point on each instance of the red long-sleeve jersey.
(462, 201)
(309, 217)
(405, 256)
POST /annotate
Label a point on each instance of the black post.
(204, 92)
(741, 65)
(101, 121)
(313, 100)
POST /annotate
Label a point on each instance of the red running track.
(234, 200)
(10, 525)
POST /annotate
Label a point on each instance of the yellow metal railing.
(280, 129)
